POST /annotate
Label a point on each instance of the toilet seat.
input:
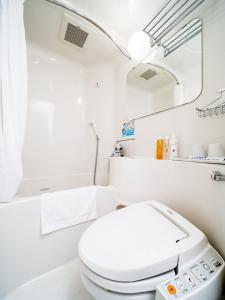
(150, 249)
(140, 286)
(102, 294)
(129, 252)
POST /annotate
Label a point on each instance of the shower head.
(92, 124)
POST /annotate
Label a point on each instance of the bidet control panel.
(194, 280)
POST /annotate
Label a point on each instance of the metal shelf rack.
(182, 36)
(168, 17)
(208, 111)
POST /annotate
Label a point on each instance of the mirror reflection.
(170, 76)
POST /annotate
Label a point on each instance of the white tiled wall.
(64, 96)
(184, 121)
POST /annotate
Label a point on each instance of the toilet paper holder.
(217, 176)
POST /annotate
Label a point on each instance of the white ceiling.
(43, 25)
(120, 18)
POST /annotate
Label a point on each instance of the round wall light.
(139, 45)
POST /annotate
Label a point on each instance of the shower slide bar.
(168, 17)
(92, 124)
(71, 9)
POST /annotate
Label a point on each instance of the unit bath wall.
(25, 254)
(64, 96)
(174, 121)
(184, 186)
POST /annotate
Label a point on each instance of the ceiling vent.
(75, 32)
(148, 74)
(75, 35)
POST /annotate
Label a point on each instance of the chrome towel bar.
(172, 13)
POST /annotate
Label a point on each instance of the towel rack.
(168, 17)
(207, 111)
(182, 36)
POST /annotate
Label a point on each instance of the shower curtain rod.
(71, 9)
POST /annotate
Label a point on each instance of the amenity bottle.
(159, 148)
(166, 151)
(173, 147)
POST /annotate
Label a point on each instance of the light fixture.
(151, 55)
(139, 45)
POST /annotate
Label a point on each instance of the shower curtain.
(13, 97)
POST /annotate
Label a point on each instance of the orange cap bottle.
(159, 148)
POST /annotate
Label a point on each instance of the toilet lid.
(131, 244)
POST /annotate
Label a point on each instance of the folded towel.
(66, 208)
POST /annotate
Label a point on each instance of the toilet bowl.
(133, 252)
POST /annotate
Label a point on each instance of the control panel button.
(171, 289)
(192, 279)
(189, 279)
(206, 266)
(181, 285)
(196, 269)
(217, 264)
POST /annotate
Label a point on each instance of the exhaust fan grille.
(148, 74)
(75, 35)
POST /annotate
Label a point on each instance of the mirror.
(171, 76)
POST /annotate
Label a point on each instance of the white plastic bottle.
(173, 147)
(166, 150)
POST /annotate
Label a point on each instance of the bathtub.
(27, 257)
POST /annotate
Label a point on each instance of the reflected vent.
(148, 74)
(75, 35)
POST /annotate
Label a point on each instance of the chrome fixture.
(182, 36)
(71, 9)
(217, 176)
(160, 30)
(92, 124)
(125, 140)
(168, 17)
(207, 111)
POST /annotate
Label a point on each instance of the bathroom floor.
(63, 283)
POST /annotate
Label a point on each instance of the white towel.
(66, 208)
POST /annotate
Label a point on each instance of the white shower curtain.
(13, 97)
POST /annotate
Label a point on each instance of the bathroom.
(80, 131)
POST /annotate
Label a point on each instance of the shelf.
(202, 161)
(170, 15)
(208, 111)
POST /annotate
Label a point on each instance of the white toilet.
(147, 251)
